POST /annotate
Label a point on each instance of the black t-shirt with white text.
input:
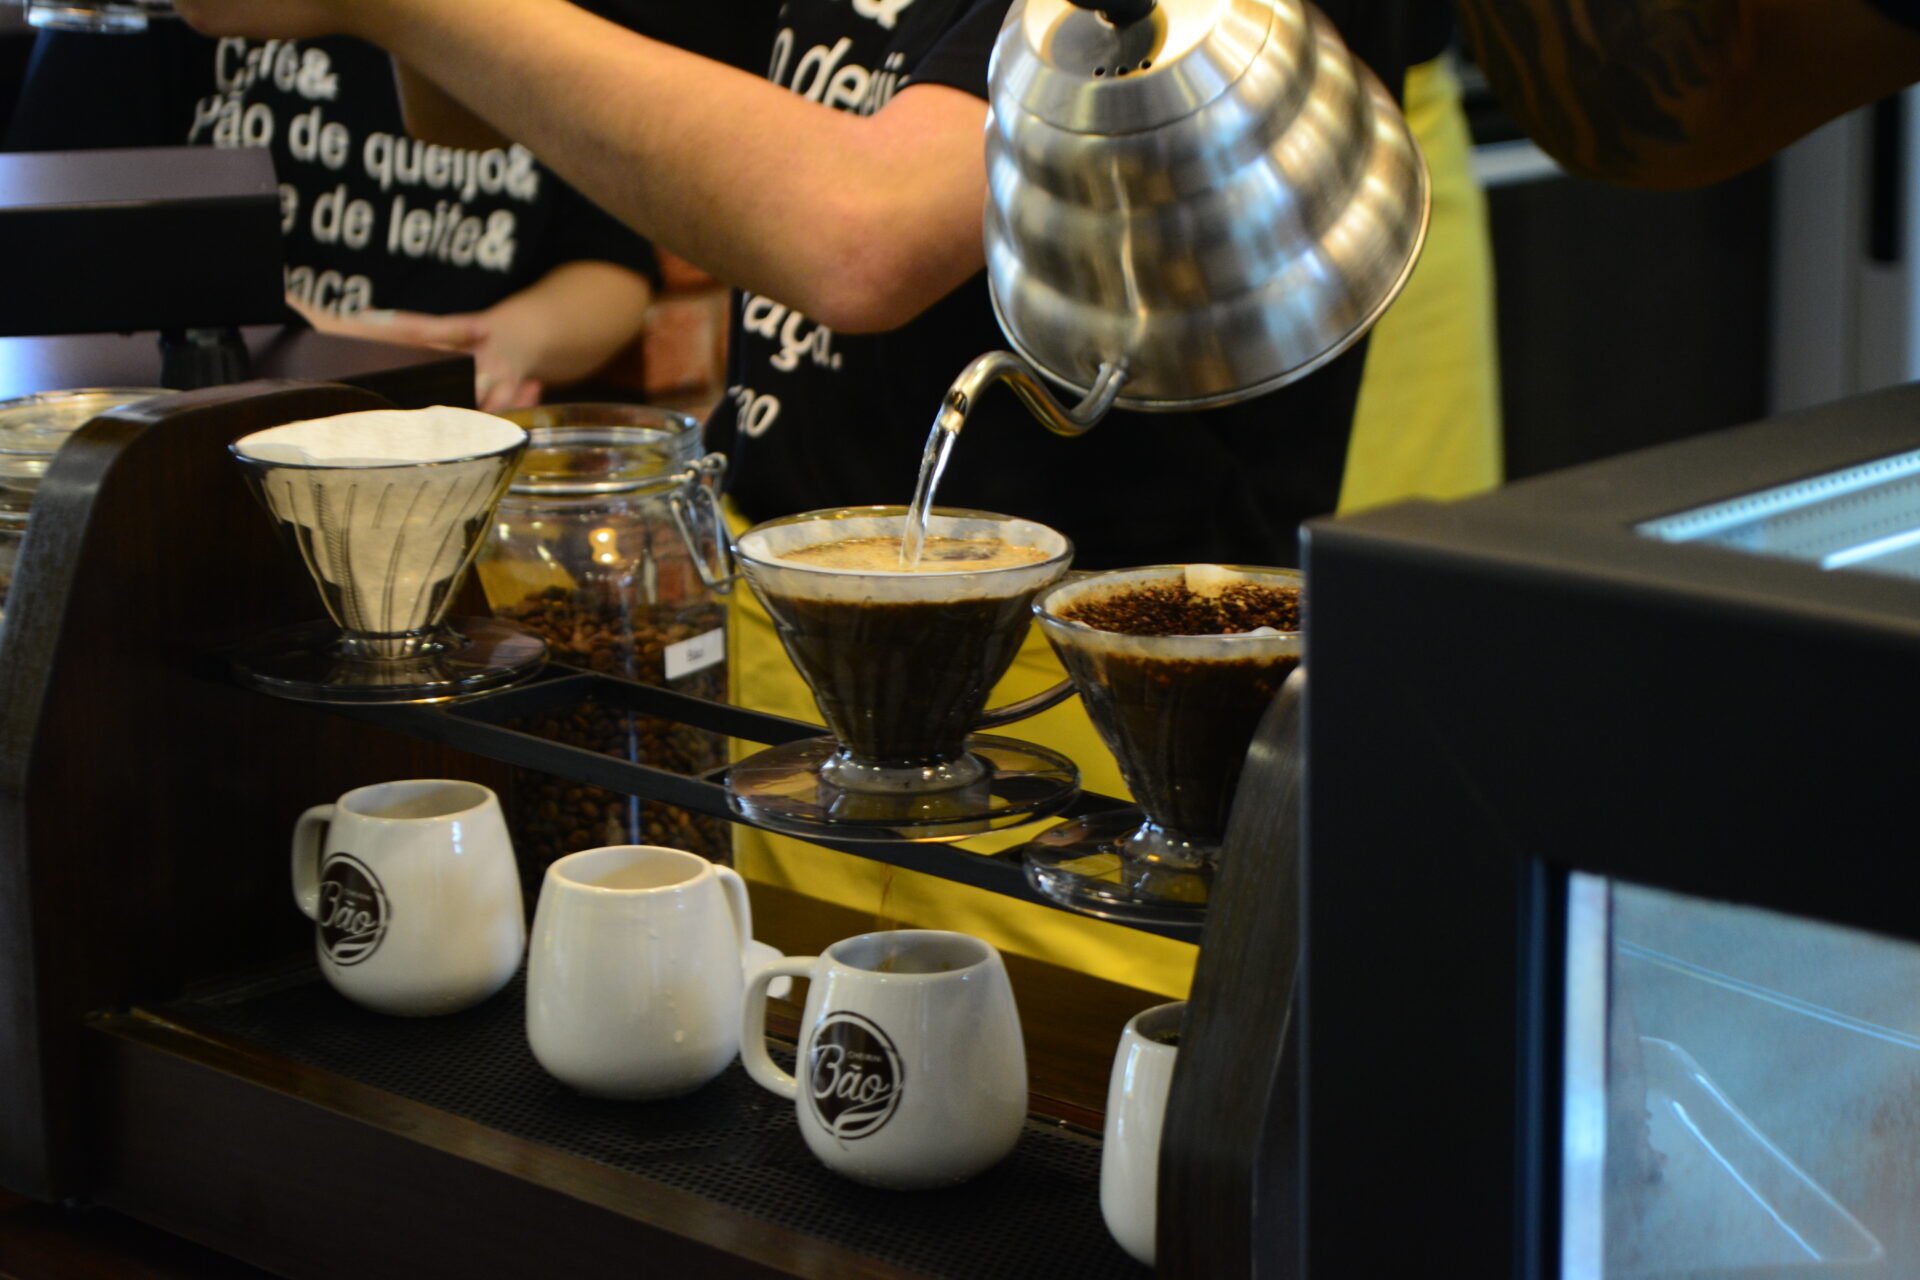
(373, 218)
(816, 419)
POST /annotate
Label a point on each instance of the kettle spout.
(1024, 381)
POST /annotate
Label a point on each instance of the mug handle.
(994, 717)
(1046, 699)
(753, 1032)
(737, 903)
(309, 838)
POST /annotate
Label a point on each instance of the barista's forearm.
(431, 113)
(1682, 92)
(573, 319)
(859, 221)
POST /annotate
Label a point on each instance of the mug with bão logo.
(911, 1068)
(414, 894)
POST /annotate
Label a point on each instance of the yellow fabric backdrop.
(1427, 423)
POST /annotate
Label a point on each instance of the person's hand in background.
(499, 369)
(561, 328)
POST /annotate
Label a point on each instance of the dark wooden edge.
(91, 1242)
(61, 557)
(1230, 1145)
(308, 1174)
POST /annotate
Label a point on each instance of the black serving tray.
(732, 1146)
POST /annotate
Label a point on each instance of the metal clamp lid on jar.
(1190, 203)
(646, 455)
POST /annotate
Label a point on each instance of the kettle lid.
(1086, 70)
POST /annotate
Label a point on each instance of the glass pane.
(1864, 517)
(1755, 1110)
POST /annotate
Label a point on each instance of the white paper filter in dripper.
(383, 438)
(386, 505)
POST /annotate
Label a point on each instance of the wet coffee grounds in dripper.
(1174, 609)
(1177, 723)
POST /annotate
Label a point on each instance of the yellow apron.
(1427, 423)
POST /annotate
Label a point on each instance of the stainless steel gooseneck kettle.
(1190, 203)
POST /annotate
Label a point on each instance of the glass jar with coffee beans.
(609, 544)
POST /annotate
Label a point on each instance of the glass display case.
(1611, 939)
(1739, 1091)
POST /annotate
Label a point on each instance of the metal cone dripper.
(388, 509)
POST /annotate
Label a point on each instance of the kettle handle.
(1121, 13)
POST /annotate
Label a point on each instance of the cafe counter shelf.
(171, 1053)
(280, 1123)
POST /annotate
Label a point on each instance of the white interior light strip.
(1705, 522)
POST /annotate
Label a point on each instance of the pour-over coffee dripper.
(1178, 711)
(901, 664)
(387, 509)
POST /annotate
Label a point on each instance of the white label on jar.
(697, 654)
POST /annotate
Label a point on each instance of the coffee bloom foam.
(764, 553)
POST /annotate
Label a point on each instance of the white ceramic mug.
(634, 979)
(915, 1074)
(414, 892)
(1136, 1110)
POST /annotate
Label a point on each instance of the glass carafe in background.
(609, 545)
(109, 17)
(32, 429)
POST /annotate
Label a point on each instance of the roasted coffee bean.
(597, 631)
(1170, 609)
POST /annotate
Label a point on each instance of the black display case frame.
(1507, 690)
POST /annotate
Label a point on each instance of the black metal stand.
(479, 725)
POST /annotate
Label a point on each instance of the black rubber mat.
(1035, 1214)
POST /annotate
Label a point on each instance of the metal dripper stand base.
(996, 783)
(1119, 866)
(319, 663)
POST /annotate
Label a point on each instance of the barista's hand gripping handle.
(1119, 12)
